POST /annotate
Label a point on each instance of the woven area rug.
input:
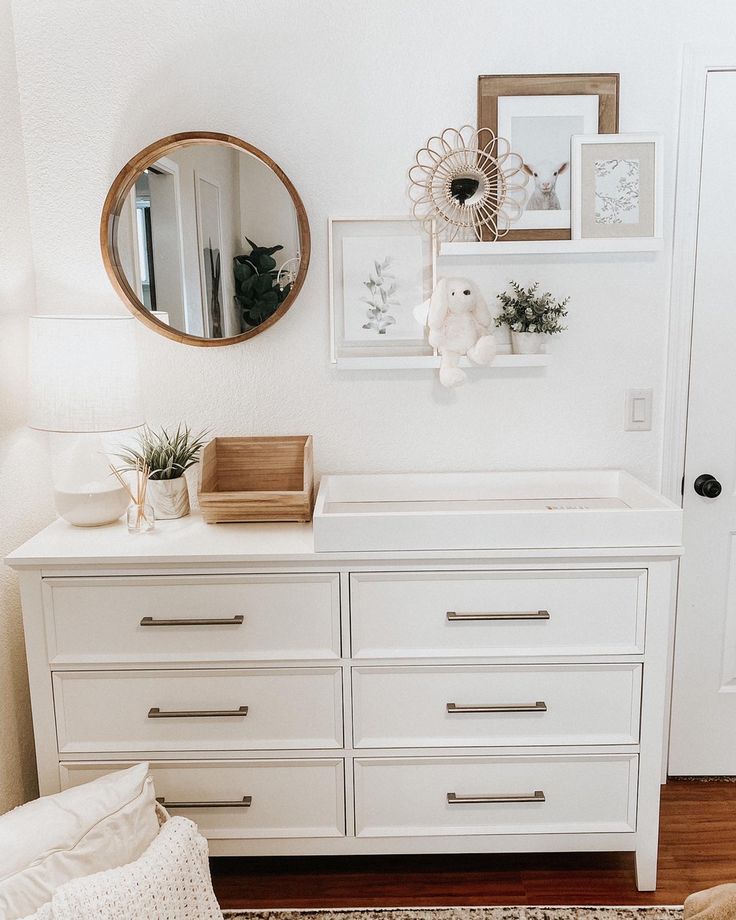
(466, 913)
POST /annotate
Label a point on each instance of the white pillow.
(170, 881)
(100, 825)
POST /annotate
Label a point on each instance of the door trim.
(698, 62)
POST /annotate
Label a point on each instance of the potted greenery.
(530, 316)
(167, 455)
(257, 291)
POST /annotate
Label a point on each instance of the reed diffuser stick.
(123, 483)
(137, 497)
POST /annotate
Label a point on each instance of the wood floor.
(697, 850)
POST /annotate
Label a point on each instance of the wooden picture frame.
(492, 87)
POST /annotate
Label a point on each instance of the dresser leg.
(646, 870)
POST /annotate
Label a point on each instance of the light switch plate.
(638, 414)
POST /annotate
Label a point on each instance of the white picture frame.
(354, 250)
(539, 129)
(208, 213)
(617, 184)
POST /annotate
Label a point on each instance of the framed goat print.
(538, 114)
(381, 271)
(617, 187)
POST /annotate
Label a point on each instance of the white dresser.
(294, 702)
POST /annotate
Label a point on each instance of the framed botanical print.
(538, 114)
(381, 270)
(617, 187)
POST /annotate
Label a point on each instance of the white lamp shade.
(83, 374)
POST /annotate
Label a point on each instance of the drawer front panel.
(514, 705)
(238, 618)
(405, 614)
(228, 710)
(287, 798)
(408, 797)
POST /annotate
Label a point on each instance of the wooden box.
(257, 479)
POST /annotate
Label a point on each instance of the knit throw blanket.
(170, 881)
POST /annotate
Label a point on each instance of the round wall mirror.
(205, 238)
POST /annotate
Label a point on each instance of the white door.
(166, 243)
(703, 730)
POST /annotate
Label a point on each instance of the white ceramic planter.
(169, 497)
(527, 343)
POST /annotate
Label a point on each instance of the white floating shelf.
(430, 362)
(550, 247)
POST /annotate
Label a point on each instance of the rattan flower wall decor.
(467, 180)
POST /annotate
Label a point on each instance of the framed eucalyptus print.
(381, 270)
(539, 114)
(617, 187)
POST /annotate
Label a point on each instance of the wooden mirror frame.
(119, 190)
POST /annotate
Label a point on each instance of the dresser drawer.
(283, 798)
(192, 618)
(411, 797)
(495, 706)
(228, 710)
(407, 615)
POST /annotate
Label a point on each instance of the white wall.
(24, 482)
(341, 94)
(267, 213)
(342, 101)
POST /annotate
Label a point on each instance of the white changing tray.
(518, 510)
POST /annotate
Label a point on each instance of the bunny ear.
(438, 305)
(480, 311)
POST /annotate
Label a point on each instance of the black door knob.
(707, 486)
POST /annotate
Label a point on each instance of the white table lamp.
(83, 381)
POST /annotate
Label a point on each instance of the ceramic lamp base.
(86, 492)
(91, 508)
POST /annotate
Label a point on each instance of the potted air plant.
(167, 455)
(530, 316)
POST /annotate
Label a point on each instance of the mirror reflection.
(208, 240)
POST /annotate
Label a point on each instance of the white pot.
(169, 497)
(527, 343)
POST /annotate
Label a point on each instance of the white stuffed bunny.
(459, 324)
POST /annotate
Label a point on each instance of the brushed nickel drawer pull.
(238, 803)
(539, 706)
(454, 617)
(199, 621)
(453, 799)
(156, 713)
